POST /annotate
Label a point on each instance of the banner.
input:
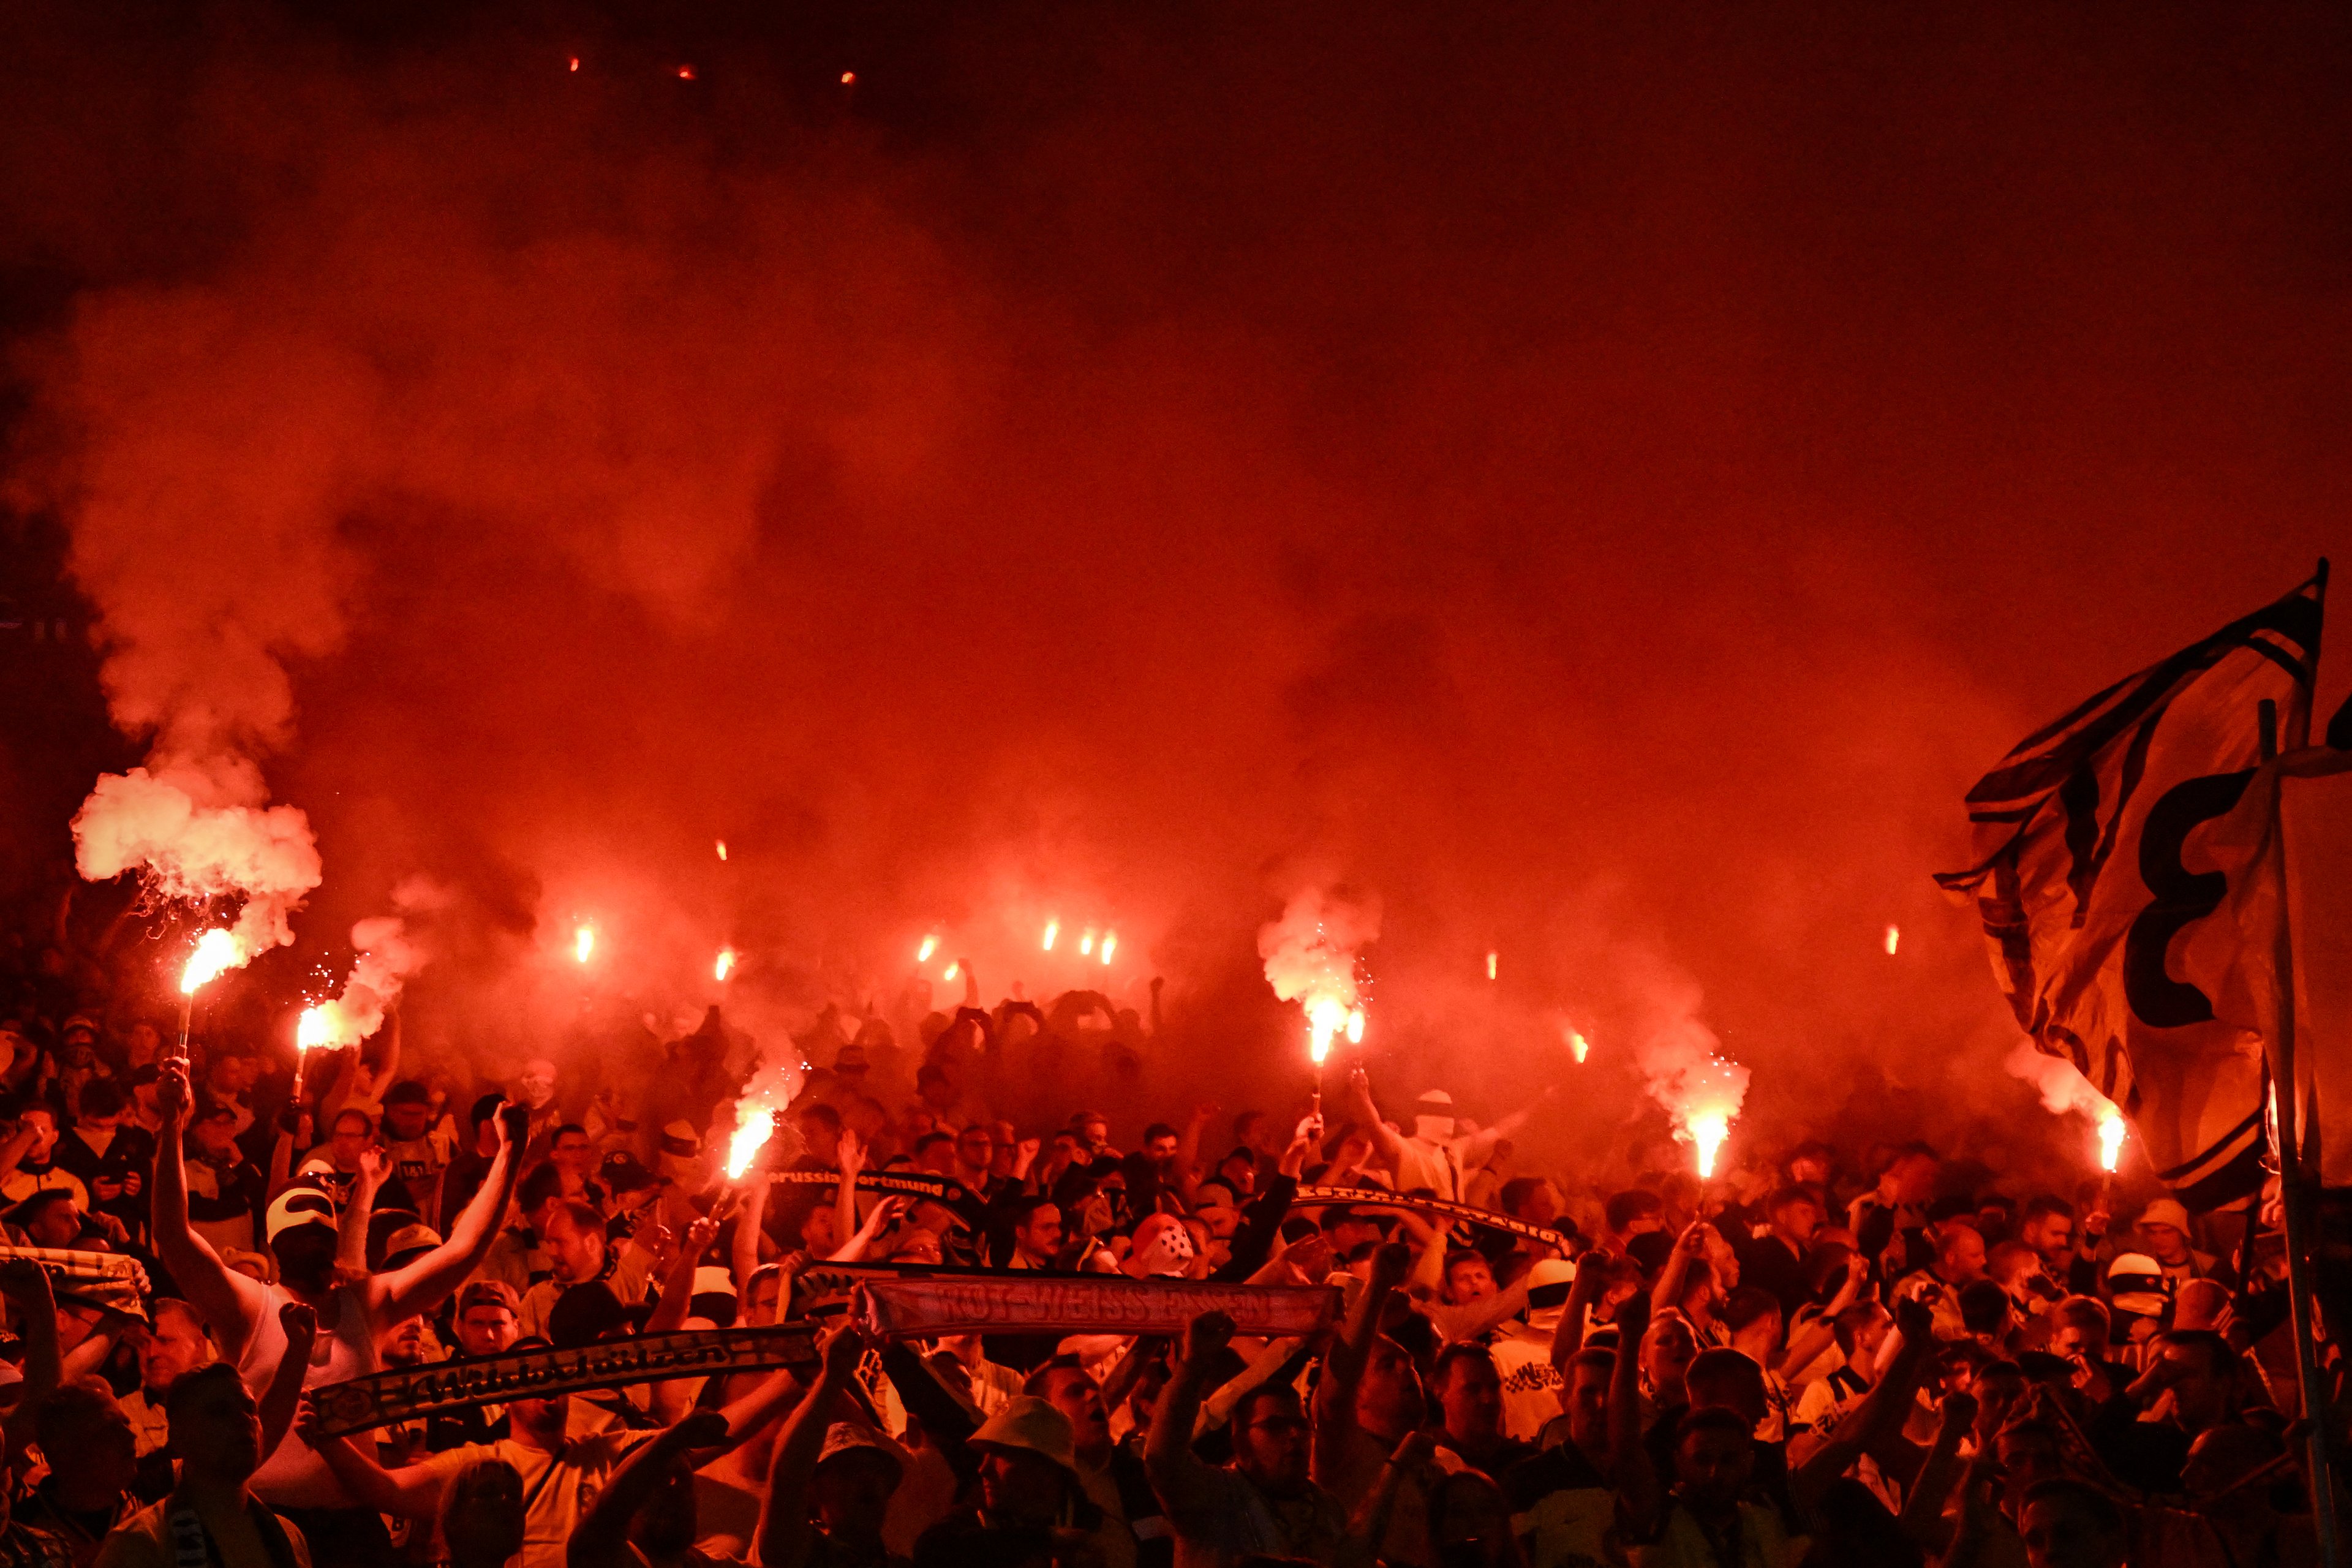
(103, 1279)
(918, 1184)
(366, 1403)
(2110, 889)
(1436, 1208)
(1026, 1303)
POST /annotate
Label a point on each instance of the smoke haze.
(1603, 483)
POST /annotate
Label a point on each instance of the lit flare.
(1110, 944)
(583, 943)
(216, 951)
(1326, 1015)
(1707, 1132)
(754, 1125)
(1493, 959)
(725, 964)
(2111, 1141)
(1053, 929)
(1087, 943)
(923, 953)
(1893, 940)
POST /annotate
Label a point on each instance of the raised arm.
(601, 1540)
(1878, 1416)
(678, 1289)
(284, 1395)
(1689, 1248)
(229, 1303)
(412, 1491)
(745, 1254)
(427, 1282)
(1187, 1488)
(26, 1284)
(1813, 1343)
(1923, 1507)
(1385, 1143)
(886, 1214)
(1567, 1334)
(850, 1153)
(1343, 1368)
(783, 1534)
(352, 1224)
(1641, 1492)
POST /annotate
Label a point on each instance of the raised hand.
(376, 1165)
(27, 1283)
(700, 1429)
(1205, 1335)
(172, 1097)
(299, 1321)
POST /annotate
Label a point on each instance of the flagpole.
(2295, 1199)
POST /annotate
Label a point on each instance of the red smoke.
(1604, 487)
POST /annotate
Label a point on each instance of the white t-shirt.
(295, 1476)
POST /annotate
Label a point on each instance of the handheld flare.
(1053, 929)
(215, 953)
(2111, 1141)
(725, 966)
(923, 953)
(1110, 944)
(583, 943)
(1707, 1132)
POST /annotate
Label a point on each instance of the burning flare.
(1893, 940)
(923, 953)
(2111, 1140)
(217, 953)
(315, 1028)
(1491, 960)
(769, 1092)
(725, 964)
(1708, 1131)
(1053, 929)
(583, 943)
(1110, 944)
(1701, 1090)
(387, 957)
(1310, 959)
(722, 849)
(1087, 943)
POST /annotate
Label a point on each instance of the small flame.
(1110, 944)
(722, 849)
(575, 62)
(950, 971)
(215, 951)
(1893, 940)
(1578, 1046)
(1707, 1132)
(686, 73)
(849, 78)
(1355, 1026)
(583, 943)
(2111, 1141)
(1492, 959)
(755, 1124)
(923, 953)
(1087, 943)
(725, 964)
(1053, 929)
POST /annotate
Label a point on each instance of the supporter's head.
(537, 1194)
(1728, 1378)
(143, 1043)
(1753, 1315)
(1238, 1171)
(1810, 1165)
(2047, 1225)
(1584, 1395)
(543, 1420)
(820, 1126)
(1160, 1142)
(1531, 1198)
(1469, 1394)
(354, 1130)
(1996, 1217)
(2017, 1269)
(1433, 1116)
(764, 1295)
(1667, 1347)
(1346, 1230)
(1270, 1444)
(2001, 1388)
(571, 1153)
(229, 1069)
(49, 1218)
(403, 1343)
(2067, 1523)
(2164, 1232)
(87, 1438)
(174, 1342)
(975, 1149)
(2028, 1451)
(144, 1080)
(482, 1514)
(101, 1105)
(1713, 1456)
(536, 1086)
(936, 1152)
(2198, 1303)
(1794, 1214)
(407, 1110)
(1986, 1311)
(2080, 1326)
(1910, 1177)
(42, 1122)
(1470, 1521)
(575, 1241)
(1092, 1127)
(1219, 1207)
(216, 1427)
(1959, 1252)
(490, 1319)
(1027, 1462)
(1390, 1401)
(2139, 1294)
(482, 1117)
(855, 1474)
(1036, 1230)
(2205, 1389)
(1860, 1329)
(300, 1232)
(937, 1088)
(1069, 1388)
(1634, 1213)
(1468, 1277)
(213, 1126)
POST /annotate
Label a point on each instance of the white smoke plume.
(389, 953)
(202, 833)
(1310, 959)
(2062, 1088)
(1700, 1088)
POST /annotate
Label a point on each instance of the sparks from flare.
(725, 965)
(1355, 1026)
(1110, 944)
(2111, 1141)
(583, 943)
(923, 953)
(216, 952)
(1893, 938)
(1053, 929)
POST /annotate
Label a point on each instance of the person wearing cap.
(1027, 1464)
(1262, 1504)
(1134, 1532)
(561, 1472)
(485, 1322)
(829, 1481)
(1437, 1155)
(301, 1235)
(419, 1150)
(2164, 1233)
(681, 1158)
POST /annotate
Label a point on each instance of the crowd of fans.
(1827, 1356)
